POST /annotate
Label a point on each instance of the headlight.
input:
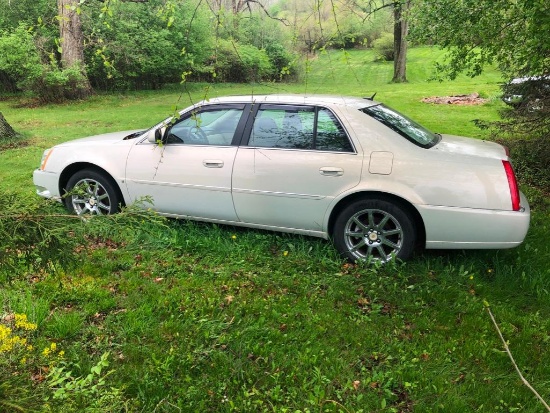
(45, 157)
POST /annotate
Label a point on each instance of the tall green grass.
(192, 317)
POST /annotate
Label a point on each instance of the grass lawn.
(133, 313)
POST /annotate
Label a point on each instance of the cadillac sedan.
(347, 169)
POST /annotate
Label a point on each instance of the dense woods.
(59, 51)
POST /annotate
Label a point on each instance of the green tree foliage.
(140, 46)
(28, 68)
(267, 35)
(384, 47)
(27, 13)
(136, 44)
(512, 34)
(236, 62)
(248, 36)
(19, 57)
(16, 17)
(334, 24)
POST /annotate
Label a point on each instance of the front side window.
(298, 127)
(209, 126)
(404, 126)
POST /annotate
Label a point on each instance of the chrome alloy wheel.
(89, 196)
(373, 233)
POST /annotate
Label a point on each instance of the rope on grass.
(507, 349)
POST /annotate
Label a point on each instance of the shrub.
(282, 60)
(266, 34)
(384, 47)
(145, 46)
(56, 85)
(20, 61)
(234, 62)
(531, 157)
(19, 58)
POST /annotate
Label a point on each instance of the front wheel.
(91, 193)
(374, 229)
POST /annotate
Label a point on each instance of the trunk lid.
(460, 145)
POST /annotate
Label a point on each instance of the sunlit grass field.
(134, 313)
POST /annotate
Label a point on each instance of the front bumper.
(46, 184)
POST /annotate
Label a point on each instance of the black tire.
(90, 192)
(374, 229)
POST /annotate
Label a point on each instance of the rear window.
(404, 126)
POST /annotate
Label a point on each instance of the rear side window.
(298, 127)
(404, 126)
(330, 133)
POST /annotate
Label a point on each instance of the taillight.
(513, 184)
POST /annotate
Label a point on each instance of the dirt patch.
(471, 99)
(14, 143)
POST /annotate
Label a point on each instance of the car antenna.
(372, 97)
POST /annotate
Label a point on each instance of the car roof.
(328, 100)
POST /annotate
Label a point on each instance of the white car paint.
(457, 190)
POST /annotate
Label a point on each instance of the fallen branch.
(507, 349)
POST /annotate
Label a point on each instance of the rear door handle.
(331, 171)
(212, 163)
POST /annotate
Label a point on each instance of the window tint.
(207, 127)
(283, 128)
(330, 134)
(404, 126)
(298, 128)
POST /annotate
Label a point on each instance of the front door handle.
(212, 163)
(331, 171)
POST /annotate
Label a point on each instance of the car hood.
(105, 138)
(460, 145)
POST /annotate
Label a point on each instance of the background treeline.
(144, 45)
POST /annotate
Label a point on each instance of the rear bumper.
(465, 228)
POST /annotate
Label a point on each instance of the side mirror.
(155, 135)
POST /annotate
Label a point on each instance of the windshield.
(401, 124)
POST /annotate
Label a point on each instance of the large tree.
(400, 32)
(72, 42)
(400, 9)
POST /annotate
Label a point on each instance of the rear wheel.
(374, 229)
(90, 192)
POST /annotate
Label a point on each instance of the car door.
(296, 160)
(190, 173)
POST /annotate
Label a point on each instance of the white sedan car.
(342, 168)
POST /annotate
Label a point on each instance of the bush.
(266, 34)
(19, 58)
(21, 63)
(236, 62)
(140, 49)
(384, 47)
(525, 129)
(57, 85)
(531, 157)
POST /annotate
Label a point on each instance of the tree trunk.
(72, 42)
(400, 30)
(6, 131)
